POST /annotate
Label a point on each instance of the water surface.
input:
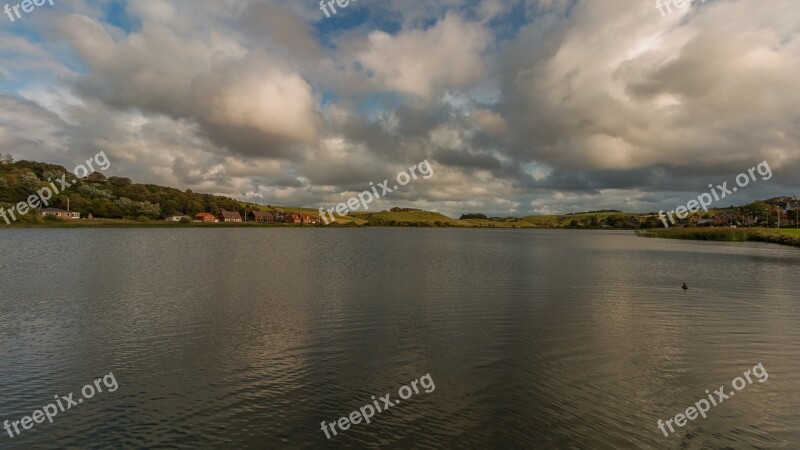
(249, 338)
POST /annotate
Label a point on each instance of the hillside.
(110, 198)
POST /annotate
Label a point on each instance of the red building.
(206, 218)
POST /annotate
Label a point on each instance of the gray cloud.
(585, 103)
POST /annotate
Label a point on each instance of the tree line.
(113, 197)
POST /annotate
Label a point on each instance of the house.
(693, 220)
(293, 218)
(60, 213)
(206, 218)
(309, 219)
(176, 218)
(723, 220)
(262, 216)
(230, 216)
(796, 208)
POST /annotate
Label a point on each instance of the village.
(263, 217)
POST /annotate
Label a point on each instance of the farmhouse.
(262, 216)
(230, 216)
(206, 218)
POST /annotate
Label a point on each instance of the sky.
(521, 106)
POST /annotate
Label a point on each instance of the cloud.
(424, 62)
(523, 106)
(244, 100)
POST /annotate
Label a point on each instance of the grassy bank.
(769, 235)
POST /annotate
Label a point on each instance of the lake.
(250, 338)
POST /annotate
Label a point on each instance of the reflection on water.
(250, 338)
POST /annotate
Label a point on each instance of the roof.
(230, 215)
(205, 215)
(262, 214)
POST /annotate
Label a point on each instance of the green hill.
(111, 198)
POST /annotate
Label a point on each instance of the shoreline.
(787, 237)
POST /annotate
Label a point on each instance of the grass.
(786, 236)
(407, 218)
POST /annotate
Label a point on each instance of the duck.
(684, 287)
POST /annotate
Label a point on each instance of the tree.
(467, 216)
(6, 159)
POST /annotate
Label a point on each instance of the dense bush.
(473, 216)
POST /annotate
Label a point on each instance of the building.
(60, 213)
(206, 218)
(230, 216)
(294, 218)
(176, 218)
(262, 216)
(723, 220)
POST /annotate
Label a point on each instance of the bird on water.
(685, 287)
